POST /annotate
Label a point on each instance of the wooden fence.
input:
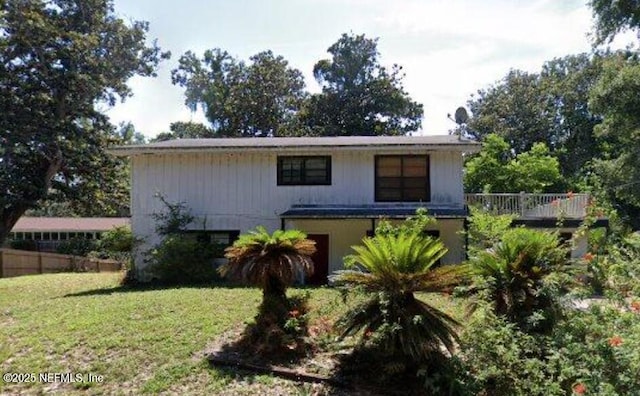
(21, 262)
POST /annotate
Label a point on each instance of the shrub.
(273, 262)
(504, 360)
(117, 244)
(77, 246)
(23, 244)
(180, 260)
(595, 351)
(621, 266)
(514, 276)
(396, 330)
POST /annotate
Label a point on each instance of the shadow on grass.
(151, 287)
(155, 286)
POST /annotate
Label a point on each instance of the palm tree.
(270, 261)
(513, 273)
(390, 268)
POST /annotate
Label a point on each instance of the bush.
(77, 246)
(116, 244)
(24, 244)
(621, 266)
(179, 259)
(514, 276)
(596, 351)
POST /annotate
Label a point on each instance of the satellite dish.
(461, 116)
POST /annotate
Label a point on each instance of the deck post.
(522, 203)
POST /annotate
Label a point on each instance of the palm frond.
(391, 267)
(258, 258)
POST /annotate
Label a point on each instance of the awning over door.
(370, 211)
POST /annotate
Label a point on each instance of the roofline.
(463, 146)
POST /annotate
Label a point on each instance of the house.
(48, 232)
(336, 189)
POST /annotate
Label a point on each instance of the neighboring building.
(49, 232)
(336, 189)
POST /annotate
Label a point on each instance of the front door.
(320, 260)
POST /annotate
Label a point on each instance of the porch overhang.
(401, 211)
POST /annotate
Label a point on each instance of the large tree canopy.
(497, 169)
(359, 96)
(549, 107)
(614, 16)
(59, 60)
(617, 97)
(261, 98)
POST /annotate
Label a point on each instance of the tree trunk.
(12, 213)
(9, 218)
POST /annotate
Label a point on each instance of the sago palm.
(270, 261)
(512, 274)
(390, 269)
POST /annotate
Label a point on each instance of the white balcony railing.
(529, 205)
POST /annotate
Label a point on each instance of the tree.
(185, 130)
(359, 96)
(549, 107)
(498, 169)
(512, 109)
(258, 99)
(614, 16)
(617, 172)
(272, 262)
(390, 268)
(59, 58)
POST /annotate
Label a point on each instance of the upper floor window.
(402, 178)
(306, 171)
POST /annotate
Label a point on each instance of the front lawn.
(141, 341)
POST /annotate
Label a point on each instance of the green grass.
(141, 341)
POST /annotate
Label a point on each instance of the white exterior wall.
(238, 191)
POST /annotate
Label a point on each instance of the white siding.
(238, 191)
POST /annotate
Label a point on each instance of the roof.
(71, 224)
(400, 211)
(440, 143)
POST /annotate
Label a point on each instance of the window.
(402, 178)
(222, 239)
(305, 171)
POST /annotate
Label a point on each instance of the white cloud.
(449, 49)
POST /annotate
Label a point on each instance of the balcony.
(532, 206)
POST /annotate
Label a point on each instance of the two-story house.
(336, 189)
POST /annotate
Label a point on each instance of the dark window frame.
(303, 181)
(427, 190)
(233, 236)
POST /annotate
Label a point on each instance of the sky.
(448, 49)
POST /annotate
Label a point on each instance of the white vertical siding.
(238, 191)
(446, 178)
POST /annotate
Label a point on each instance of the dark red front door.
(320, 259)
